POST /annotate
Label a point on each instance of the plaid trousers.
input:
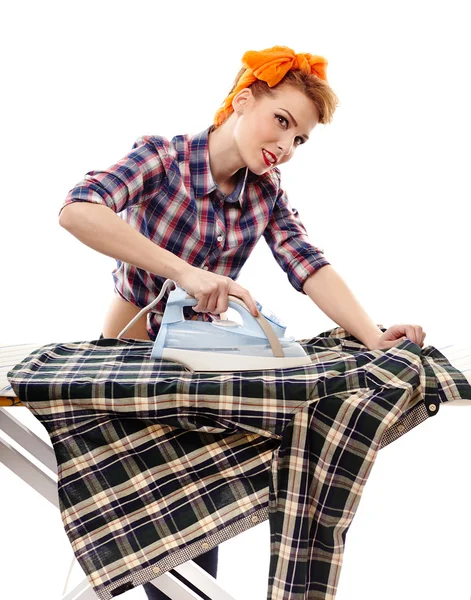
(156, 465)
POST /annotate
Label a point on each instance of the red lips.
(273, 157)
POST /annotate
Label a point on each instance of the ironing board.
(458, 355)
(46, 485)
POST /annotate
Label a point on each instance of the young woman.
(193, 208)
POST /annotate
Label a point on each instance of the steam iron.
(222, 345)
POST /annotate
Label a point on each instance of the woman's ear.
(241, 100)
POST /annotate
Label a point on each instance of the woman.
(194, 207)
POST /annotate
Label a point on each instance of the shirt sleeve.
(130, 181)
(288, 240)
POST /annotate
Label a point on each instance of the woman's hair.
(316, 89)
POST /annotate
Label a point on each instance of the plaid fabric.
(157, 465)
(9, 356)
(165, 190)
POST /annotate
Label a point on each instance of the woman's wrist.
(173, 267)
(372, 342)
(179, 271)
(369, 333)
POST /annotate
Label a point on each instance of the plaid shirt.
(166, 191)
(157, 465)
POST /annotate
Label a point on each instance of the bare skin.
(119, 314)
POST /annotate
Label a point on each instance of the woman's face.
(269, 130)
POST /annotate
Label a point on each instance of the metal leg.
(82, 591)
(46, 485)
(27, 439)
(177, 590)
(167, 583)
(29, 472)
(202, 580)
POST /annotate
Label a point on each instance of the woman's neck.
(224, 158)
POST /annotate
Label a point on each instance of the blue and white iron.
(223, 345)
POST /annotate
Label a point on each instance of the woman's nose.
(286, 146)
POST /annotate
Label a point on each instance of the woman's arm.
(327, 289)
(100, 228)
(309, 271)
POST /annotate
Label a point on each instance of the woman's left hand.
(398, 333)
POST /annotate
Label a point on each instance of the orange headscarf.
(271, 65)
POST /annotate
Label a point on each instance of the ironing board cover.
(157, 465)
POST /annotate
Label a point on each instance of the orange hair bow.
(271, 65)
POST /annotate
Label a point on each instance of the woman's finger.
(217, 299)
(247, 298)
(222, 303)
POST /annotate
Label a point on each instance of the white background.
(384, 190)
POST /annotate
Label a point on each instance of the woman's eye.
(283, 119)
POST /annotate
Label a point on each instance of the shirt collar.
(201, 176)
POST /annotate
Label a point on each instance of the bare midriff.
(120, 313)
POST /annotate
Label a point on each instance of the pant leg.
(207, 561)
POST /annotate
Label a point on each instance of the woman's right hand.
(212, 290)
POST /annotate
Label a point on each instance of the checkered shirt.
(157, 465)
(166, 191)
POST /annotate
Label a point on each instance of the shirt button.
(156, 569)
(219, 238)
(205, 267)
(254, 519)
(204, 546)
(400, 428)
(433, 407)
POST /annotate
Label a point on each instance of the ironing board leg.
(177, 590)
(27, 439)
(46, 485)
(82, 591)
(169, 584)
(202, 580)
(29, 472)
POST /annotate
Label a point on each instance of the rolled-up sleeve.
(132, 180)
(289, 242)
